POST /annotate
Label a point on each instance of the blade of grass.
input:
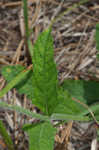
(7, 139)
(27, 31)
(25, 9)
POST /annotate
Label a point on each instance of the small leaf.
(45, 73)
(9, 72)
(41, 136)
(85, 91)
(25, 85)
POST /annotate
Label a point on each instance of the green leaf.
(45, 73)
(41, 136)
(44, 93)
(85, 91)
(9, 72)
(7, 139)
(97, 36)
(66, 105)
(25, 84)
(24, 111)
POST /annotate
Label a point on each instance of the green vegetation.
(41, 86)
(6, 137)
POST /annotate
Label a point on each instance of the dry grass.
(75, 55)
